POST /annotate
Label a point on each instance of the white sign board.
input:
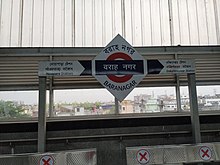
(119, 67)
(60, 68)
(171, 66)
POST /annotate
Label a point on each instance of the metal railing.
(73, 157)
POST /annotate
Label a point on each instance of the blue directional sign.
(119, 67)
(154, 66)
(170, 66)
(87, 67)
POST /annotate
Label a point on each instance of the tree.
(10, 109)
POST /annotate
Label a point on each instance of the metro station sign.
(119, 67)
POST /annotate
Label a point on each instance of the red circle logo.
(119, 79)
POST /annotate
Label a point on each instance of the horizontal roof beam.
(93, 51)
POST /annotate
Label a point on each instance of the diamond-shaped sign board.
(119, 67)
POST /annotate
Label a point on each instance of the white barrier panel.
(173, 154)
(217, 151)
(200, 152)
(73, 157)
(15, 159)
(81, 157)
(47, 158)
(144, 155)
(155, 155)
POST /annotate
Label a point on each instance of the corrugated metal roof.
(82, 23)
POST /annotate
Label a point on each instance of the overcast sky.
(93, 95)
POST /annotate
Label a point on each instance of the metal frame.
(42, 115)
(194, 108)
(93, 51)
(18, 66)
(42, 111)
(88, 53)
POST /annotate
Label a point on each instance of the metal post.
(51, 98)
(51, 94)
(42, 115)
(194, 108)
(116, 106)
(178, 97)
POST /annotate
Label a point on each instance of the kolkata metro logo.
(119, 67)
(119, 79)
